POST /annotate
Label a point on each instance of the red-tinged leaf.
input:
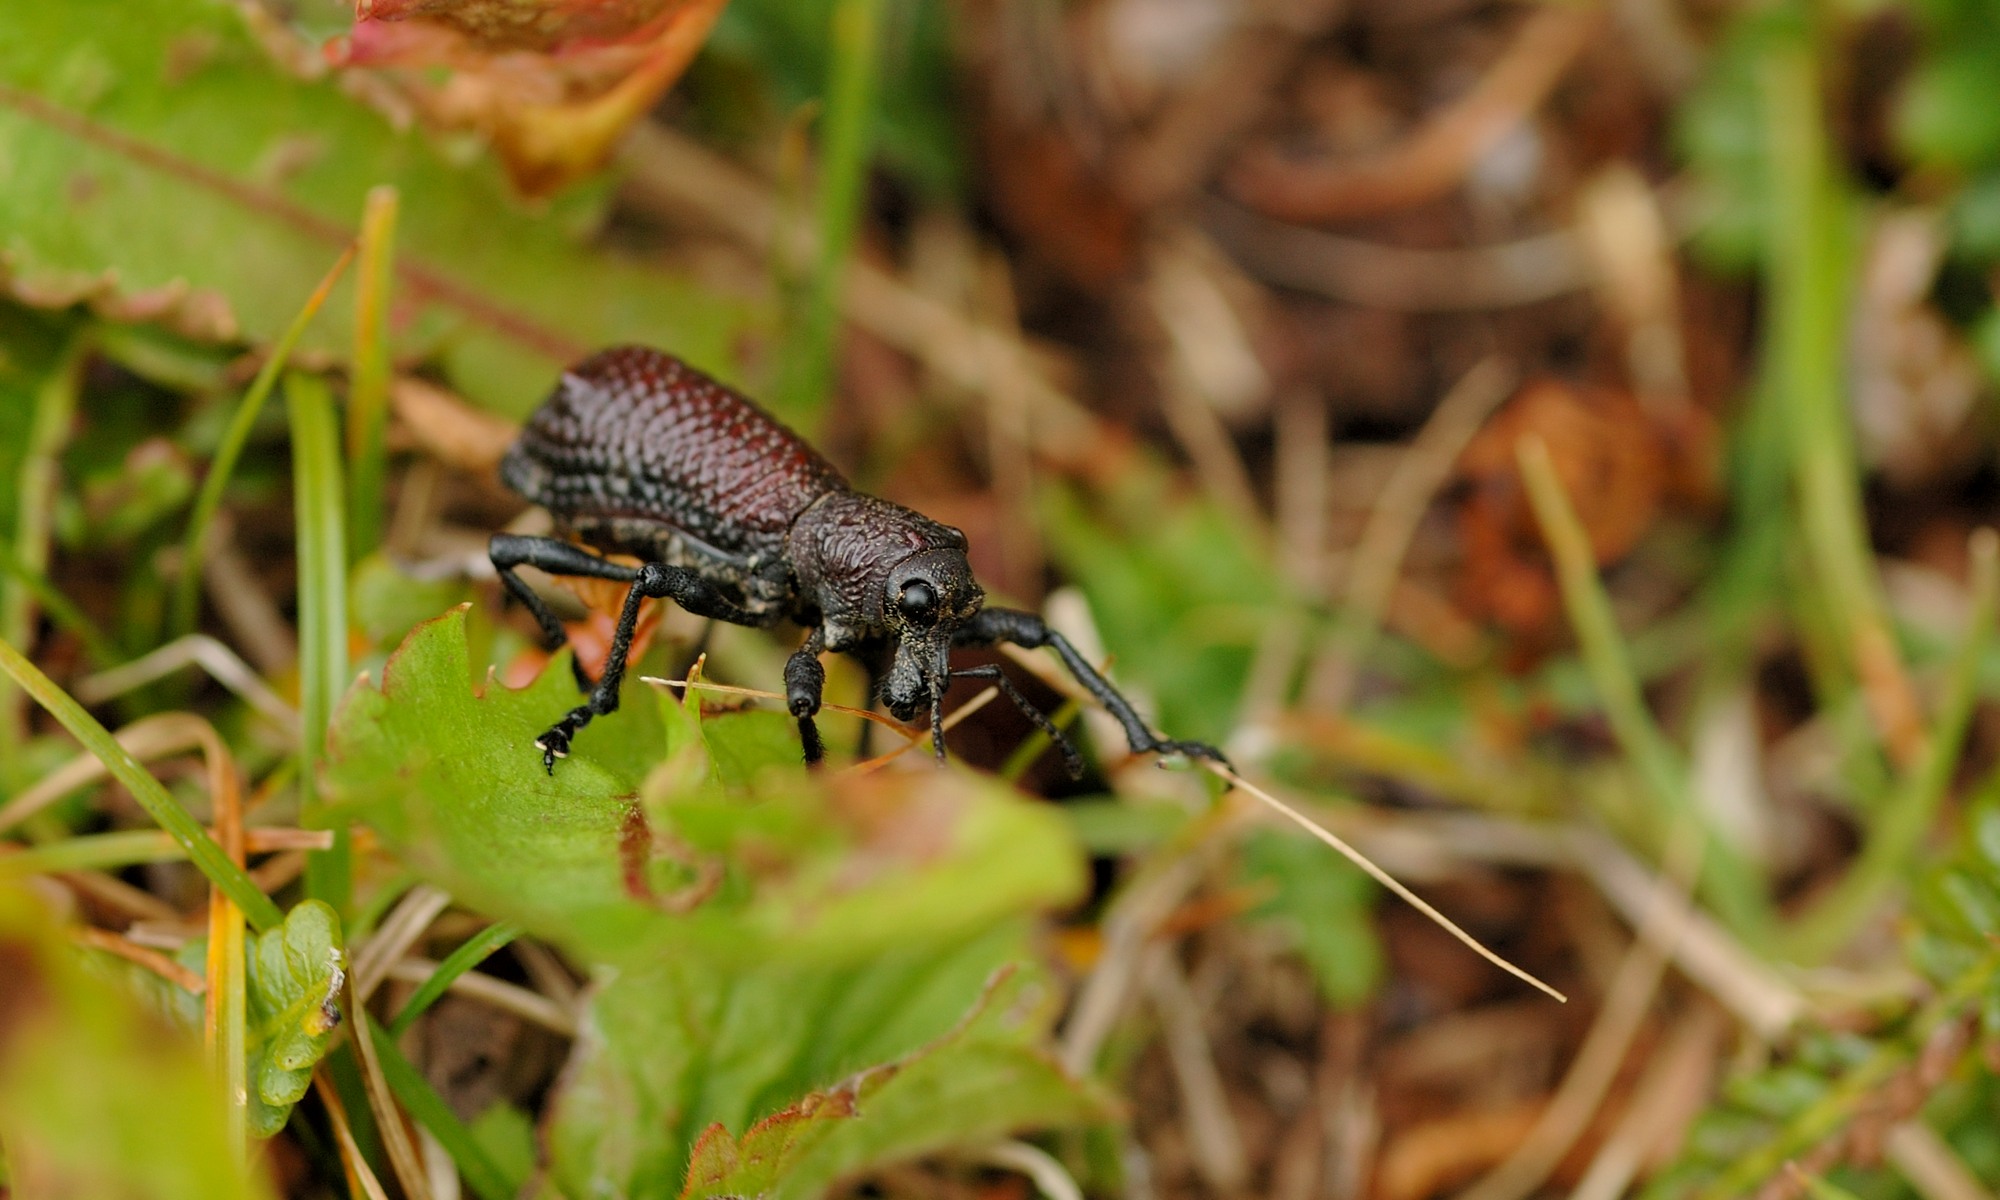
(552, 82)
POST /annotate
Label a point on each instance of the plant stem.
(1899, 829)
(1807, 246)
(1727, 879)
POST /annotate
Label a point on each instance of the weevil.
(735, 517)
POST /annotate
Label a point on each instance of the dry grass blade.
(196, 649)
(1583, 1089)
(529, 1006)
(1380, 876)
(1668, 1095)
(146, 739)
(1049, 1176)
(392, 940)
(1214, 1140)
(389, 1120)
(154, 961)
(1392, 523)
(361, 1179)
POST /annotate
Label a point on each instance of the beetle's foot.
(555, 743)
(1164, 746)
(810, 743)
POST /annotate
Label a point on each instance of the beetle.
(734, 517)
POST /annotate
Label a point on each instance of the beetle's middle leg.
(649, 581)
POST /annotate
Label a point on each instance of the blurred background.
(1551, 444)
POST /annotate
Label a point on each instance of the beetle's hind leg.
(991, 625)
(649, 580)
(557, 557)
(1072, 761)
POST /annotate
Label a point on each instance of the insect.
(734, 517)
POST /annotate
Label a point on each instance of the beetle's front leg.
(805, 684)
(991, 625)
(649, 581)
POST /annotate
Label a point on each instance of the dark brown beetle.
(737, 519)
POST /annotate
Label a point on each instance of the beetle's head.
(927, 597)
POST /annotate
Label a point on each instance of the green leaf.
(985, 1079)
(98, 1095)
(154, 160)
(828, 870)
(757, 932)
(1947, 115)
(678, 1055)
(1323, 907)
(293, 979)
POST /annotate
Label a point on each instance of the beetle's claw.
(554, 745)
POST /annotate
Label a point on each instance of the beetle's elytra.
(735, 517)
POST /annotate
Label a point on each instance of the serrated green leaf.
(292, 978)
(830, 870)
(99, 1096)
(676, 1051)
(759, 932)
(154, 160)
(985, 1079)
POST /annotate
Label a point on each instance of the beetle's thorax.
(848, 548)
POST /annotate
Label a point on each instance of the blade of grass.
(201, 849)
(422, 1102)
(1898, 831)
(323, 675)
(1727, 880)
(194, 549)
(131, 847)
(473, 951)
(1807, 243)
(368, 378)
(806, 374)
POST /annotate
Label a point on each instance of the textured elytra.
(635, 433)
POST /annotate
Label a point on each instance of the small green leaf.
(1324, 907)
(294, 976)
(1947, 114)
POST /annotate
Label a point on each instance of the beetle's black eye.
(918, 602)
